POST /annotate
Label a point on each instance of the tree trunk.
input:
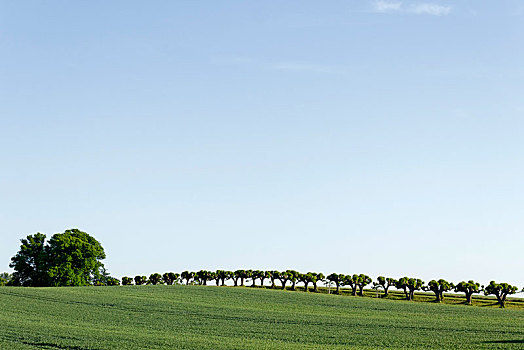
(386, 291)
(469, 296)
(354, 290)
(315, 287)
(305, 286)
(293, 285)
(338, 288)
(361, 290)
(235, 281)
(253, 285)
(272, 283)
(223, 281)
(262, 282)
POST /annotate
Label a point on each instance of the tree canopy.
(72, 258)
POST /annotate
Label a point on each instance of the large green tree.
(31, 262)
(468, 288)
(74, 258)
(384, 283)
(438, 287)
(336, 278)
(500, 290)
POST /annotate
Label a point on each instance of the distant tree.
(263, 276)
(362, 281)
(31, 263)
(409, 286)
(155, 278)
(218, 276)
(315, 278)
(170, 278)
(126, 281)
(140, 280)
(274, 275)
(283, 278)
(338, 279)
(242, 275)
(439, 287)
(304, 278)
(293, 277)
(187, 276)
(255, 275)
(5, 279)
(501, 291)
(203, 276)
(468, 288)
(112, 281)
(385, 283)
(236, 276)
(247, 275)
(352, 282)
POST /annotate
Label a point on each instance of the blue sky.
(378, 137)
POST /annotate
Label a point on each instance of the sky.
(376, 137)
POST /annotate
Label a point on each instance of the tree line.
(73, 258)
(356, 282)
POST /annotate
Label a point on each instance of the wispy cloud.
(429, 9)
(411, 8)
(386, 6)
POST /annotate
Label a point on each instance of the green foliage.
(439, 287)
(273, 276)
(362, 281)
(140, 280)
(170, 278)
(72, 258)
(127, 281)
(187, 276)
(292, 276)
(5, 279)
(203, 276)
(409, 286)
(468, 288)
(195, 317)
(384, 283)
(338, 279)
(501, 291)
(155, 278)
(31, 262)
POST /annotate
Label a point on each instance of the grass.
(198, 317)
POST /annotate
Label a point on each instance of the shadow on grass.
(510, 341)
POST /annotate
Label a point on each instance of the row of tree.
(357, 282)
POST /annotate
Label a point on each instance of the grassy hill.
(194, 317)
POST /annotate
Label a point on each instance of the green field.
(195, 317)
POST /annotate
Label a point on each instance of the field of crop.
(197, 317)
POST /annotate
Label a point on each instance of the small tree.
(203, 276)
(304, 278)
(127, 281)
(315, 278)
(438, 287)
(409, 286)
(283, 277)
(274, 275)
(362, 281)
(170, 278)
(352, 282)
(338, 279)
(255, 275)
(188, 276)
(293, 277)
(112, 281)
(31, 263)
(263, 276)
(5, 279)
(236, 276)
(468, 288)
(155, 278)
(140, 280)
(384, 283)
(501, 291)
